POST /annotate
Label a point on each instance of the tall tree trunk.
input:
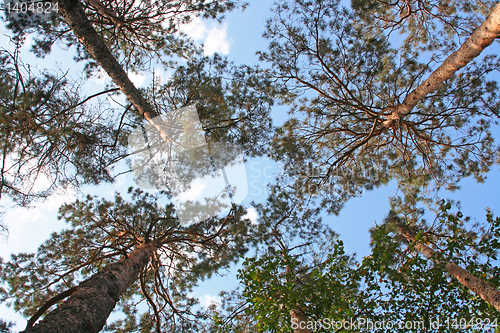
(481, 38)
(484, 290)
(87, 310)
(94, 44)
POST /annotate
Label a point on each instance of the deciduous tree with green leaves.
(394, 284)
(294, 289)
(447, 286)
(300, 277)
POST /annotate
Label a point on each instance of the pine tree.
(48, 129)
(426, 24)
(362, 107)
(231, 110)
(134, 32)
(247, 106)
(123, 252)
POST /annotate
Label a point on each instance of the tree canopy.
(49, 130)
(350, 89)
(376, 92)
(101, 232)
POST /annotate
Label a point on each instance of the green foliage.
(48, 131)
(393, 285)
(342, 78)
(104, 231)
(141, 31)
(419, 290)
(426, 24)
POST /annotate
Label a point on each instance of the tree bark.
(87, 310)
(94, 44)
(481, 38)
(483, 289)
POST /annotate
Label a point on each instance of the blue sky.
(238, 37)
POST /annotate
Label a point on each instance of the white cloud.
(29, 227)
(101, 78)
(136, 78)
(208, 300)
(197, 186)
(162, 76)
(196, 29)
(55, 201)
(28, 41)
(213, 36)
(18, 217)
(217, 40)
(252, 215)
